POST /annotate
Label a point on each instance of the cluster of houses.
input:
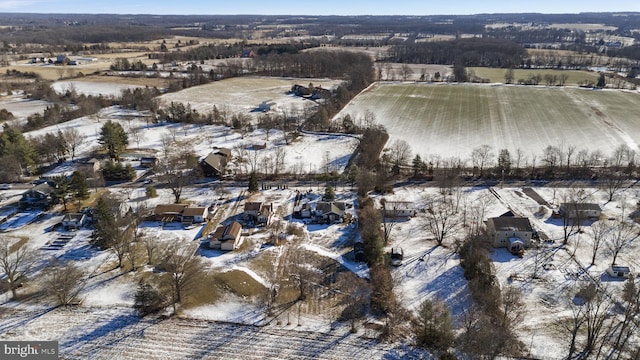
(321, 212)
(59, 60)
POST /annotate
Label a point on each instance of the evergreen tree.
(148, 299)
(13, 143)
(253, 183)
(61, 191)
(78, 185)
(105, 230)
(504, 162)
(113, 138)
(417, 165)
(329, 194)
(433, 326)
(601, 82)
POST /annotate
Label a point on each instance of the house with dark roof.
(168, 212)
(40, 195)
(513, 233)
(226, 237)
(258, 212)
(180, 212)
(329, 212)
(215, 163)
(581, 211)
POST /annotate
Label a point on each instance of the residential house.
(258, 212)
(94, 163)
(169, 212)
(223, 152)
(185, 213)
(329, 212)
(214, 164)
(302, 210)
(226, 237)
(580, 211)
(194, 214)
(148, 161)
(619, 271)
(40, 195)
(513, 233)
(73, 220)
(398, 209)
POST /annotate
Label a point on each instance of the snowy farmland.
(244, 94)
(453, 119)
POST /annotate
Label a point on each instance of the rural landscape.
(321, 187)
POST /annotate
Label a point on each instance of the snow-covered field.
(452, 119)
(91, 88)
(307, 154)
(244, 94)
(103, 326)
(20, 107)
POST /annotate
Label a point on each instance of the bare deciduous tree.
(599, 232)
(182, 270)
(623, 234)
(480, 157)
(74, 139)
(440, 220)
(16, 261)
(64, 281)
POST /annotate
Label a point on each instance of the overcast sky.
(315, 7)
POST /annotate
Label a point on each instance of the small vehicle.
(147, 181)
(396, 256)
(5, 186)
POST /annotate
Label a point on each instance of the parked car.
(396, 256)
(5, 186)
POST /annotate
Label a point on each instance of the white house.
(73, 220)
(619, 271)
(398, 209)
(513, 233)
(195, 214)
(258, 212)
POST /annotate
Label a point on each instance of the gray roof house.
(514, 233)
(38, 196)
(581, 211)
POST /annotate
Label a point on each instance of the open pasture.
(453, 119)
(244, 94)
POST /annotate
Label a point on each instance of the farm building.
(398, 209)
(226, 237)
(258, 212)
(73, 220)
(38, 196)
(514, 233)
(580, 210)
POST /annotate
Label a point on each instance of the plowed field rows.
(453, 119)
